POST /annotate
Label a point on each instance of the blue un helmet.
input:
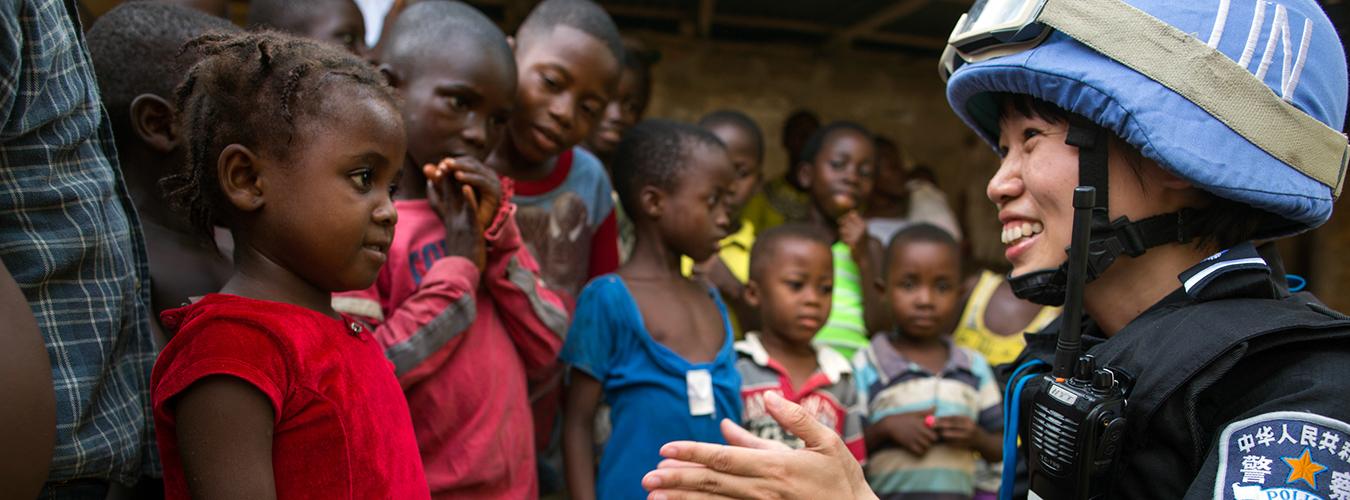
(1243, 98)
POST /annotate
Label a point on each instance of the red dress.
(341, 429)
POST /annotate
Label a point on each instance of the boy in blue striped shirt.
(932, 406)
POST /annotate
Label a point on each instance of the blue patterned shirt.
(69, 235)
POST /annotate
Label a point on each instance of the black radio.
(1075, 429)
(1077, 418)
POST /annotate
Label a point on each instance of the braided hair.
(251, 89)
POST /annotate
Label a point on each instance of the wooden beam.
(705, 17)
(772, 24)
(768, 23)
(879, 19)
(906, 40)
(659, 13)
(915, 41)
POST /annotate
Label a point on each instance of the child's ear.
(804, 174)
(395, 80)
(751, 294)
(153, 121)
(238, 170)
(653, 201)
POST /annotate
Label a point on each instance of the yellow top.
(972, 333)
(735, 254)
(776, 203)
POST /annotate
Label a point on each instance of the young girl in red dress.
(263, 391)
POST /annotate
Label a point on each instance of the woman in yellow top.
(994, 320)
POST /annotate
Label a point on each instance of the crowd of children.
(430, 268)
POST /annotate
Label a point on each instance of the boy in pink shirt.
(459, 306)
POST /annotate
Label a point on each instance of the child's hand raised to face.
(486, 186)
(458, 206)
(853, 232)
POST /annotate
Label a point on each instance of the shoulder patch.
(1286, 455)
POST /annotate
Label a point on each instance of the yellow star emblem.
(1303, 469)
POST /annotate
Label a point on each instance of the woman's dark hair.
(1220, 224)
(250, 89)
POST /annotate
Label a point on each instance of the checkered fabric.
(69, 235)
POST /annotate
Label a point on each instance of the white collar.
(830, 362)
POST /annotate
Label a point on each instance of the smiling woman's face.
(1033, 189)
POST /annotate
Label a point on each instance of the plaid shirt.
(69, 235)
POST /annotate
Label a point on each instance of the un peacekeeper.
(1204, 125)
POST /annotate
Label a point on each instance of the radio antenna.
(1070, 345)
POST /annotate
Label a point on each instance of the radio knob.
(1084, 368)
(1103, 380)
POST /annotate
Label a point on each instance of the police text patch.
(1285, 455)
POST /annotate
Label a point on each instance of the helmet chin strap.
(1108, 239)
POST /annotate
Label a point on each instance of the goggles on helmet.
(993, 28)
(1151, 47)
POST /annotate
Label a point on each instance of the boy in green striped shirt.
(838, 169)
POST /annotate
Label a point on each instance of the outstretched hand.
(752, 467)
